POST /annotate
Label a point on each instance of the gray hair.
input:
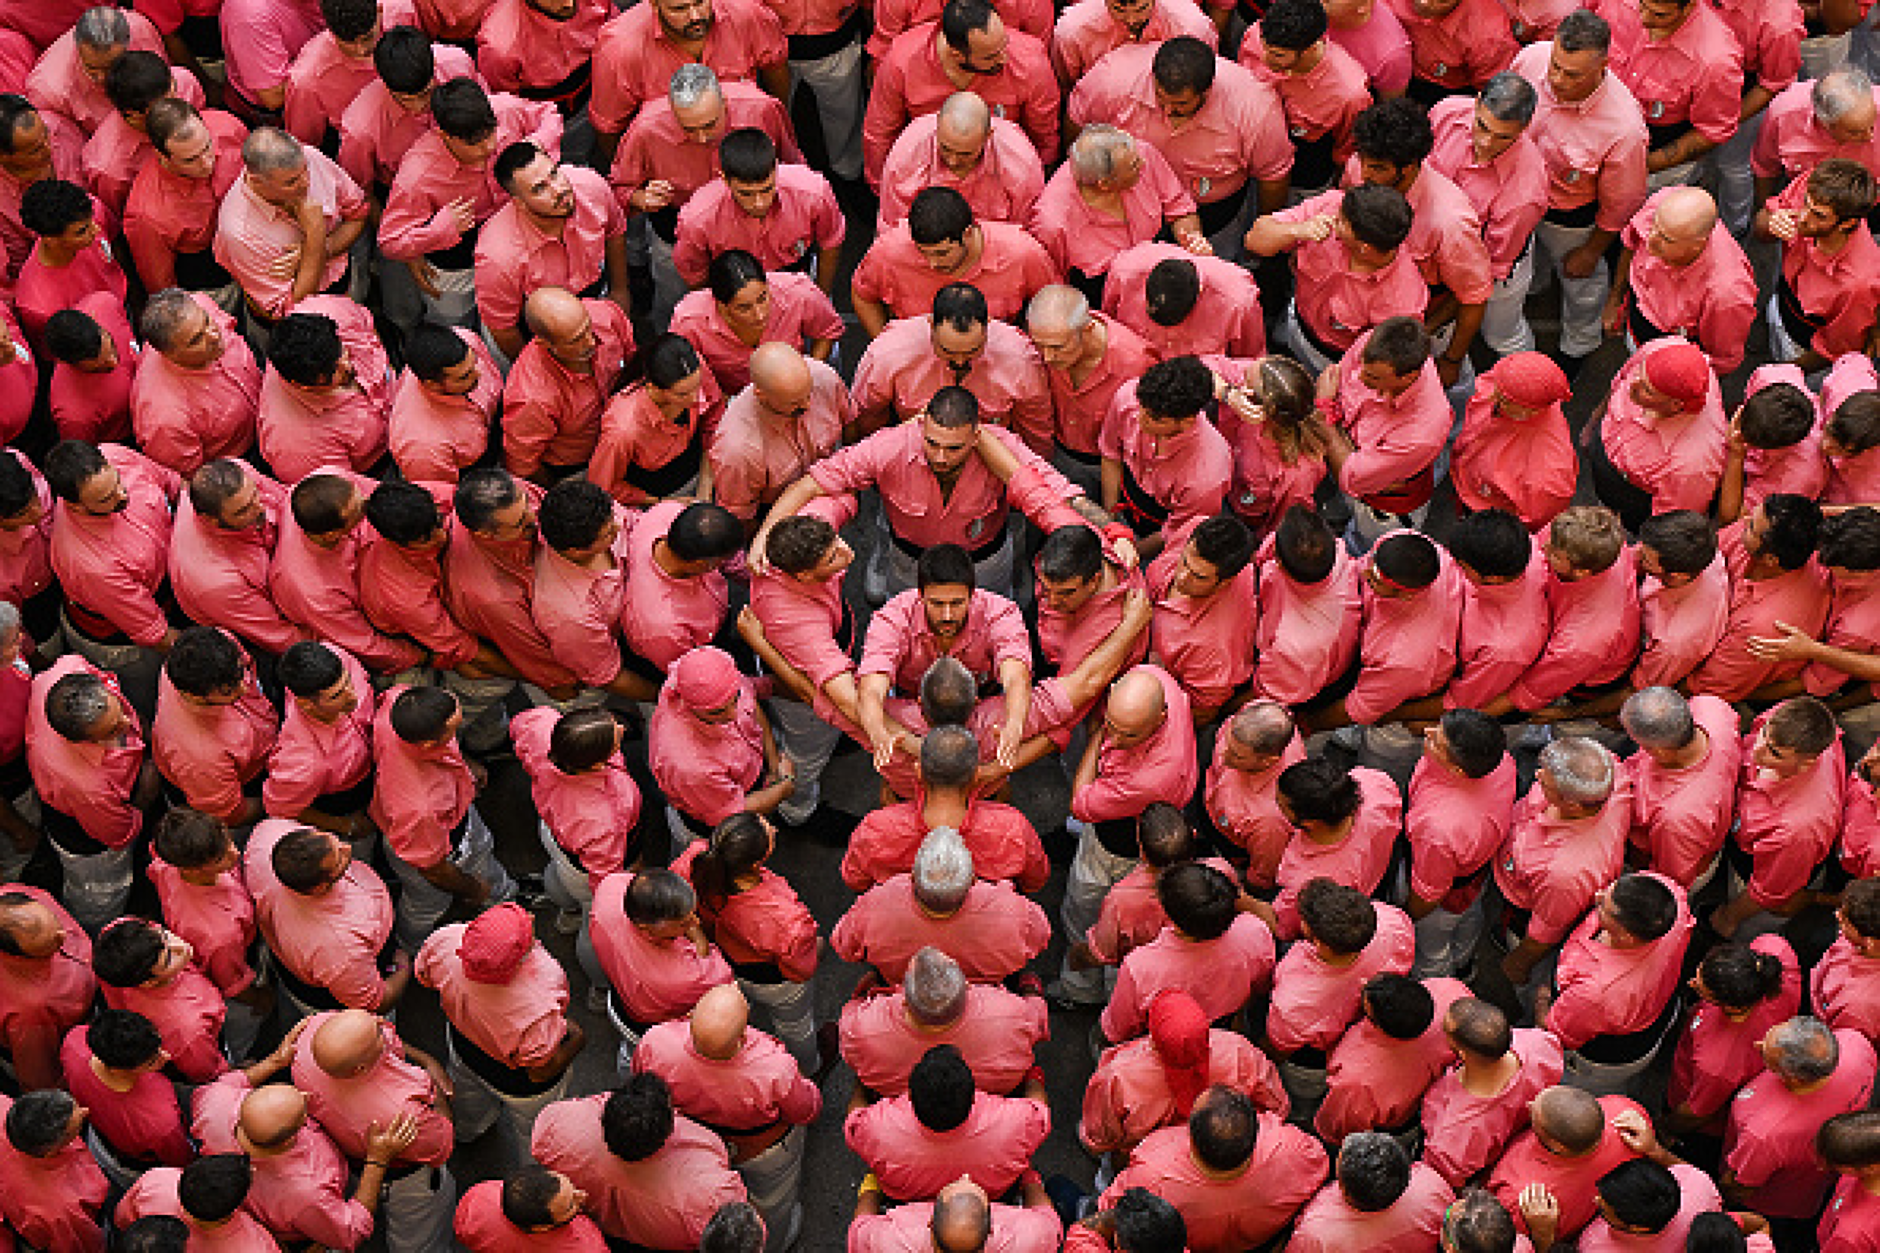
(1510, 98)
(943, 871)
(691, 83)
(1658, 717)
(935, 988)
(1582, 31)
(163, 317)
(9, 619)
(269, 150)
(1095, 153)
(1264, 727)
(735, 1228)
(1582, 770)
(102, 27)
(1838, 94)
(966, 110)
(1059, 304)
(1803, 1050)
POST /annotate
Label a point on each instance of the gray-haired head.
(965, 113)
(1836, 95)
(1098, 151)
(269, 150)
(1802, 1051)
(1583, 30)
(1581, 769)
(943, 871)
(691, 83)
(1658, 717)
(1510, 98)
(935, 989)
(1058, 307)
(102, 27)
(164, 314)
(1264, 727)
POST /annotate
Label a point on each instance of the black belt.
(979, 554)
(1081, 458)
(665, 223)
(1580, 215)
(461, 255)
(1619, 1050)
(1795, 320)
(348, 800)
(1324, 349)
(1643, 329)
(1117, 836)
(67, 833)
(1219, 214)
(1137, 509)
(202, 35)
(1429, 93)
(1090, 285)
(507, 1080)
(662, 481)
(816, 47)
(569, 95)
(1315, 161)
(769, 974)
(316, 996)
(200, 271)
(1309, 1058)
(1667, 133)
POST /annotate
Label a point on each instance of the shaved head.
(1687, 210)
(718, 1021)
(1059, 308)
(1570, 1118)
(270, 1116)
(965, 116)
(1137, 703)
(962, 1219)
(348, 1043)
(780, 375)
(554, 312)
(1264, 726)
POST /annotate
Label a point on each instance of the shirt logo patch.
(998, 110)
(1574, 176)
(1656, 109)
(1441, 69)
(798, 247)
(1203, 185)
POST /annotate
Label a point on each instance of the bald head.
(780, 376)
(1058, 309)
(718, 1021)
(348, 1043)
(29, 927)
(1686, 211)
(1137, 703)
(1570, 1119)
(1264, 727)
(271, 1115)
(965, 117)
(554, 312)
(962, 1218)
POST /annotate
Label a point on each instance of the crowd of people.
(1474, 836)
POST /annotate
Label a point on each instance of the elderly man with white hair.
(986, 927)
(1567, 842)
(1683, 780)
(987, 159)
(286, 225)
(1811, 121)
(69, 77)
(995, 1030)
(1111, 194)
(1088, 357)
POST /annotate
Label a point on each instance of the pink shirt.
(1851, 1223)
(1079, 407)
(1031, 17)
(481, 1227)
(1227, 1214)
(515, 256)
(1843, 986)
(766, 923)
(996, 1034)
(1456, 825)
(155, 1192)
(262, 40)
(312, 758)
(577, 608)
(657, 147)
(433, 437)
(1161, 767)
(910, 83)
(1711, 301)
(1083, 238)
(1594, 149)
(423, 792)
(1681, 625)
(43, 290)
(909, 1229)
(901, 370)
(418, 216)
(1792, 141)
(1002, 187)
(1592, 634)
(1697, 1195)
(1226, 318)
(1678, 461)
(1380, 46)
(1128, 1097)
(304, 429)
(804, 219)
(253, 237)
(994, 1145)
(655, 981)
(1001, 839)
(1085, 32)
(1221, 974)
(1461, 50)
(552, 414)
(754, 454)
(90, 783)
(1315, 1000)
(991, 935)
(1770, 38)
(59, 84)
(663, 1201)
(1397, 437)
(1408, 645)
(1244, 806)
(318, 589)
(1464, 1133)
(26, 552)
(1552, 866)
(218, 920)
(323, 80)
(392, 1086)
(376, 131)
(1681, 816)
(1502, 631)
(1376, 1082)
(1860, 830)
(1788, 825)
(1770, 1141)
(185, 416)
(1341, 304)
(666, 616)
(331, 940)
(143, 1124)
(1324, 100)
(97, 407)
(1799, 468)
(1183, 478)
(43, 998)
(634, 57)
(756, 1087)
(639, 442)
(1011, 267)
(56, 1201)
(116, 149)
(1207, 644)
(522, 49)
(902, 645)
(519, 1022)
(800, 314)
(1500, 461)
(1796, 596)
(1839, 289)
(1716, 1052)
(591, 815)
(1330, 1222)
(1356, 859)
(1694, 74)
(1608, 991)
(1573, 1181)
(1308, 634)
(706, 769)
(1509, 193)
(67, 142)
(187, 1011)
(211, 752)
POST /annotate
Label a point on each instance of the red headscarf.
(495, 944)
(1179, 1030)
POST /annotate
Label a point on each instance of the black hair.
(573, 513)
(747, 155)
(940, 1087)
(308, 668)
(938, 215)
(126, 952)
(431, 349)
(1491, 542)
(637, 1119)
(403, 513)
(204, 661)
(305, 349)
(1199, 900)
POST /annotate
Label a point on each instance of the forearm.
(341, 239)
(1687, 147)
(872, 314)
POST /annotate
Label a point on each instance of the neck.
(116, 1080)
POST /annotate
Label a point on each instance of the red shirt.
(1680, 626)
(1609, 991)
(1128, 1097)
(143, 1124)
(304, 429)
(1769, 1144)
(1509, 193)
(56, 1202)
(996, 1034)
(166, 214)
(1456, 825)
(662, 1201)
(1797, 596)
(1340, 304)
(43, 998)
(1840, 288)
(805, 218)
(766, 923)
(312, 758)
(1081, 237)
(992, 935)
(1573, 1181)
(1408, 645)
(218, 920)
(893, 17)
(1206, 643)
(551, 413)
(481, 1227)
(1001, 839)
(1681, 816)
(1592, 633)
(1462, 49)
(591, 815)
(1160, 767)
(1716, 1052)
(1677, 460)
(994, 1145)
(1464, 1133)
(1226, 318)
(188, 1012)
(1787, 825)
(331, 940)
(1710, 301)
(1226, 1214)
(1500, 461)
(1185, 476)
(418, 217)
(1012, 266)
(754, 453)
(185, 416)
(97, 407)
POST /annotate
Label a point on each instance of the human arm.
(1614, 315)
(1794, 644)
(1269, 235)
